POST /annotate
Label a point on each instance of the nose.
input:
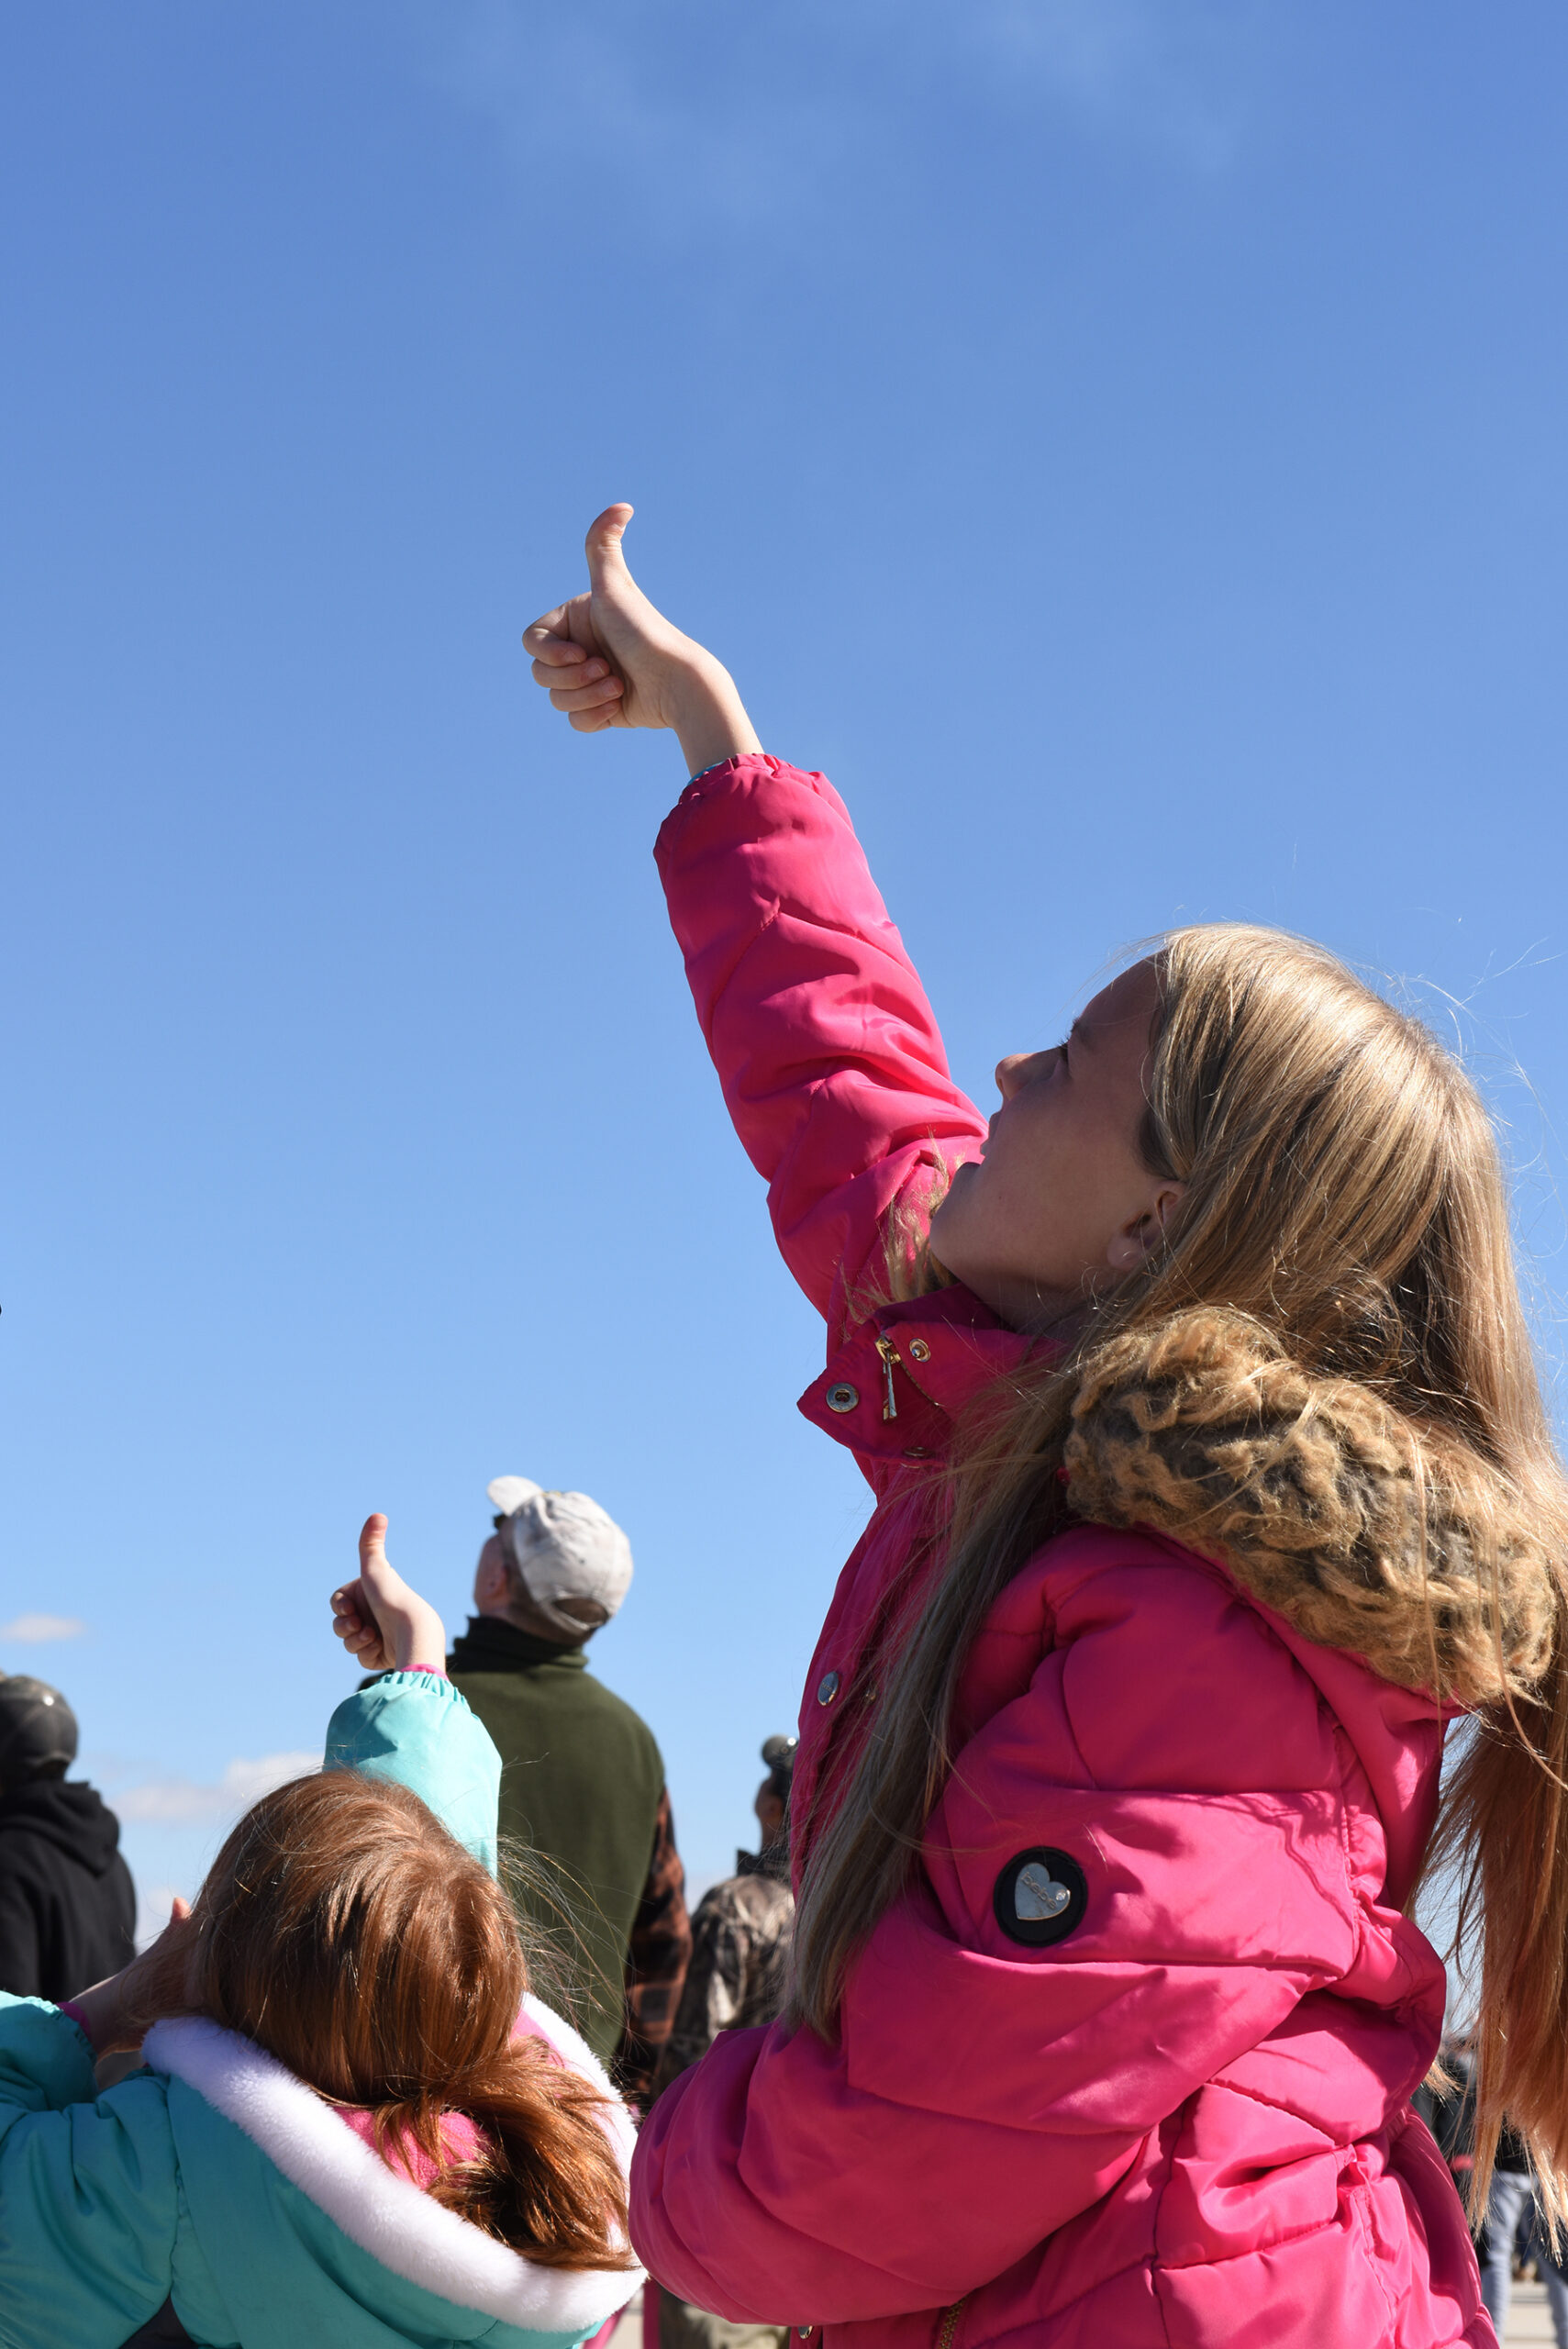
(1012, 1070)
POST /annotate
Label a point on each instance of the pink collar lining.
(463, 2139)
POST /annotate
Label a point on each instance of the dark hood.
(66, 1813)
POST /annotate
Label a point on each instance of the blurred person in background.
(583, 1780)
(740, 1941)
(740, 1933)
(1551, 2271)
(1447, 2105)
(1512, 2233)
(67, 1903)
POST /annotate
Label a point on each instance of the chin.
(946, 1226)
(947, 1246)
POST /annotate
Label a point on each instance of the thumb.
(606, 565)
(372, 1549)
(179, 1909)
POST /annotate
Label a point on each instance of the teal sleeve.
(418, 1731)
(45, 2061)
(89, 2202)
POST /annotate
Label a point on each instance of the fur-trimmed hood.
(1320, 1500)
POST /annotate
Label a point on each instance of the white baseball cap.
(573, 1559)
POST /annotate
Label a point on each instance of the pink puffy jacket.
(1130, 2062)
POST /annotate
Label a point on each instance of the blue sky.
(1122, 441)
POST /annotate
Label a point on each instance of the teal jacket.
(218, 2181)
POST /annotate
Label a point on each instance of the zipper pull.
(890, 1354)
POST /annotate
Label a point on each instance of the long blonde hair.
(1343, 1187)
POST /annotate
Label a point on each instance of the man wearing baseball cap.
(582, 1781)
(67, 1904)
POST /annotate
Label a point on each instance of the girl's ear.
(1139, 1239)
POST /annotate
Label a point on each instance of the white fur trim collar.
(384, 2214)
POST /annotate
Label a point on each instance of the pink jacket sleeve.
(830, 1061)
(981, 2093)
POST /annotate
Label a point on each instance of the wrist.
(708, 716)
(420, 1640)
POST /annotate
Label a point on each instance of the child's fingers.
(353, 1619)
(561, 673)
(363, 1641)
(594, 697)
(557, 658)
(354, 1623)
(594, 721)
(550, 637)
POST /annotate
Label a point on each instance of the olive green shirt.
(581, 1781)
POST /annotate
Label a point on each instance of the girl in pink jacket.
(1212, 1479)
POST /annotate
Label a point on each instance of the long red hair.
(344, 1931)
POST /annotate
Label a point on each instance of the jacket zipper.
(890, 1354)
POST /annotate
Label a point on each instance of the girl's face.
(1061, 1204)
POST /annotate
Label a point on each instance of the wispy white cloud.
(37, 1631)
(715, 114)
(1174, 78)
(184, 1799)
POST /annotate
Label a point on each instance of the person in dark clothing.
(1449, 2109)
(1510, 2230)
(67, 1904)
(583, 1786)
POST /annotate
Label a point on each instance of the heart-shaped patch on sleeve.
(1041, 1896)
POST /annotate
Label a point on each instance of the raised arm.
(831, 1063)
(411, 1725)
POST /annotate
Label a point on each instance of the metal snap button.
(919, 1349)
(827, 1687)
(843, 1397)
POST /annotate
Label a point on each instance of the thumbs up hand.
(380, 1619)
(608, 658)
